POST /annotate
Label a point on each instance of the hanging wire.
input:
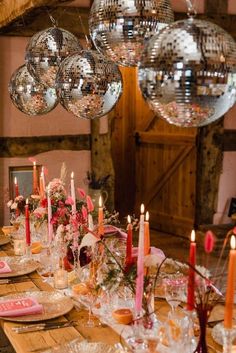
(53, 20)
(88, 41)
(192, 12)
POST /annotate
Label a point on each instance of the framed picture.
(232, 207)
(24, 175)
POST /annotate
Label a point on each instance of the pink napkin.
(20, 307)
(4, 267)
(109, 229)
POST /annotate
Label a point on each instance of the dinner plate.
(4, 240)
(218, 336)
(19, 265)
(54, 304)
(76, 346)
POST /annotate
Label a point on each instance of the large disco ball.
(46, 50)
(119, 28)
(187, 73)
(88, 85)
(30, 96)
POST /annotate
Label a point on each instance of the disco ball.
(119, 28)
(46, 50)
(88, 85)
(30, 96)
(187, 73)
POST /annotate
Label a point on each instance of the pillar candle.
(146, 235)
(35, 179)
(16, 187)
(100, 217)
(27, 225)
(129, 243)
(140, 266)
(191, 276)
(231, 283)
(72, 190)
(50, 229)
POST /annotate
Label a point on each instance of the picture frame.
(24, 175)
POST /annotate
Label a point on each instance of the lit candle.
(50, 229)
(100, 217)
(43, 179)
(16, 187)
(129, 242)
(35, 179)
(140, 266)
(27, 224)
(41, 187)
(191, 277)
(72, 190)
(146, 235)
(231, 282)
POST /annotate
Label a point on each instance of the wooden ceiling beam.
(38, 19)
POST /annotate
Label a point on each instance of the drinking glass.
(175, 290)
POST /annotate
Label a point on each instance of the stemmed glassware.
(175, 290)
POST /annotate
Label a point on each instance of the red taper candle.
(191, 277)
(129, 243)
(16, 187)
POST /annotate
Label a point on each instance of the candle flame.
(147, 216)
(100, 201)
(129, 219)
(72, 175)
(15, 180)
(41, 174)
(42, 170)
(142, 208)
(233, 242)
(193, 236)
(27, 201)
(34, 163)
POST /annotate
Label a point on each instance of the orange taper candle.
(16, 187)
(231, 282)
(100, 217)
(146, 235)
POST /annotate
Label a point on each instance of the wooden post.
(101, 160)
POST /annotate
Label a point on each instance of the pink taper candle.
(50, 229)
(27, 225)
(72, 190)
(140, 266)
(191, 277)
(231, 283)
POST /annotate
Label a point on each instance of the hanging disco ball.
(30, 96)
(88, 85)
(46, 50)
(119, 28)
(187, 73)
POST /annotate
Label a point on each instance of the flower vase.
(203, 313)
(95, 195)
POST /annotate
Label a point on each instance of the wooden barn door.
(155, 162)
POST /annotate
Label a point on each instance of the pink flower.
(60, 204)
(90, 205)
(81, 192)
(69, 201)
(209, 242)
(84, 212)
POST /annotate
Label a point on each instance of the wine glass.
(175, 289)
(88, 300)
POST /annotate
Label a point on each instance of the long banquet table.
(41, 340)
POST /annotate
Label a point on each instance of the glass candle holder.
(19, 247)
(60, 279)
(228, 336)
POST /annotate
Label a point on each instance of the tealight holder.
(60, 279)
(19, 247)
(228, 337)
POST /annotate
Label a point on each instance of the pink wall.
(180, 5)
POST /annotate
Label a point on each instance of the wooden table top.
(41, 340)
